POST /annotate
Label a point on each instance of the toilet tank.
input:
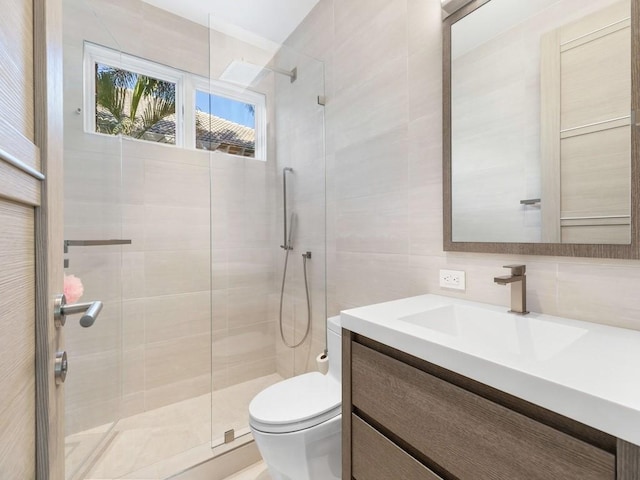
(334, 347)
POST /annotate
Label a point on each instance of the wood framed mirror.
(541, 144)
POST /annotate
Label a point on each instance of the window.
(136, 98)
(229, 121)
(134, 105)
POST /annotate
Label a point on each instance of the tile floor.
(254, 472)
(156, 444)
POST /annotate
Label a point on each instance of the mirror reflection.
(541, 135)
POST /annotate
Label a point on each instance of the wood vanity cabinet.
(407, 419)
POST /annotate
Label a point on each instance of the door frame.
(48, 106)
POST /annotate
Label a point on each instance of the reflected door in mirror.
(586, 129)
(540, 109)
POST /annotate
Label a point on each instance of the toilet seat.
(296, 404)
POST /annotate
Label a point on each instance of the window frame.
(97, 54)
(187, 85)
(232, 92)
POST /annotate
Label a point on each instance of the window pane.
(135, 105)
(225, 125)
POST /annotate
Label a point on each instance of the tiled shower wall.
(384, 142)
(201, 227)
(299, 131)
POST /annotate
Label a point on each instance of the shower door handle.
(89, 310)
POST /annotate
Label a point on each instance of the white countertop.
(584, 371)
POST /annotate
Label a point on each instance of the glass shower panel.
(300, 137)
(247, 226)
(138, 391)
(93, 215)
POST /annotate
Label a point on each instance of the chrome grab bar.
(93, 243)
(89, 310)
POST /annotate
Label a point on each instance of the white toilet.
(296, 422)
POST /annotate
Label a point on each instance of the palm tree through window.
(134, 105)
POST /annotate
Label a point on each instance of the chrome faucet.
(518, 280)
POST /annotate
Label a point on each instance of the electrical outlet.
(452, 279)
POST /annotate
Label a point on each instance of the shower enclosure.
(176, 135)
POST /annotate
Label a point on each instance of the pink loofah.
(73, 288)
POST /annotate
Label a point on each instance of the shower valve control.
(306, 255)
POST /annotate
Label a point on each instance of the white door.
(30, 239)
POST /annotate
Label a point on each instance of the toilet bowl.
(296, 423)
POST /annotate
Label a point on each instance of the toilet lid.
(296, 403)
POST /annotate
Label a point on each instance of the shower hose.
(305, 257)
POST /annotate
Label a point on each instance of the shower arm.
(287, 244)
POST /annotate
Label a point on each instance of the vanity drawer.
(464, 434)
(375, 457)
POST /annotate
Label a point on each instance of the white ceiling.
(260, 22)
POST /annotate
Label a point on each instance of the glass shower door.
(93, 261)
(247, 223)
(139, 382)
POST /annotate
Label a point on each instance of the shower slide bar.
(287, 238)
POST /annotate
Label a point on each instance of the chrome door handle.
(90, 311)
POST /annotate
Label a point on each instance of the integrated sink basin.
(484, 329)
(584, 371)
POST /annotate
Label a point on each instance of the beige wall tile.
(250, 344)
(373, 106)
(133, 371)
(176, 228)
(366, 278)
(91, 220)
(93, 177)
(424, 25)
(172, 272)
(99, 271)
(132, 404)
(314, 38)
(374, 51)
(425, 151)
(176, 185)
(376, 224)
(600, 293)
(219, 303)
(245, 371)
(133, 331)
(133, 275)
(189, 359)
(93, 390)
(350, 13)
(170, 317)
(378, 165)
(246, 307)
(425, 225)
(424, 82)
(104, 335)
(182, 389)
